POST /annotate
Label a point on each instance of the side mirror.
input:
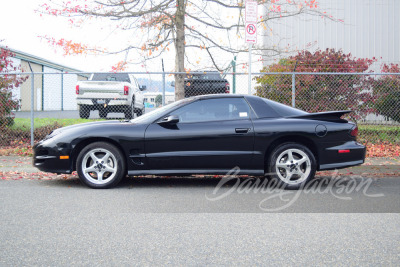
(142, 88)
(173, 83)
(171, 119)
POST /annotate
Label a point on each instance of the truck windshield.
(115, 77)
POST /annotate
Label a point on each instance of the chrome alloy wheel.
(293, 166)
(99, 166)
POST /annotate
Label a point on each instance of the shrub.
(315, 93)
(7, 83)
(387, 90)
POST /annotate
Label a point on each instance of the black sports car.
(205, 135)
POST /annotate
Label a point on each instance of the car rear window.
(117, 77)
(284, 110)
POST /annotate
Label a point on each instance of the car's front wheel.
(292, 164)
(139, 112)
(101, 165)
(130, 111)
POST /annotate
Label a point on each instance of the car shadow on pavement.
(320, 182)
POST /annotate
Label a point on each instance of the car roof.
(216, 96)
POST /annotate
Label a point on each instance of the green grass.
(23, 124)
(380, 128)
(379, 133)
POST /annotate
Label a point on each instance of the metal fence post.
(32, 106)
(163, 83)
(293, 90)
(234, 75)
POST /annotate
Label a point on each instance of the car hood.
(86, 125)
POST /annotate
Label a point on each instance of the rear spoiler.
(324, 116)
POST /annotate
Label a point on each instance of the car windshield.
(155, 114)
(205, 76)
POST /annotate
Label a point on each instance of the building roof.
(38, 60)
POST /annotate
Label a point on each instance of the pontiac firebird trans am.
(209, 134)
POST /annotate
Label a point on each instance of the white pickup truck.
(110, 93)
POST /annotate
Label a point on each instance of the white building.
(55, 91)
(367, 29)
(150, 98)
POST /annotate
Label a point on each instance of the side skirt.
(190, 172)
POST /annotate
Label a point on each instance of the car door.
(212, 134)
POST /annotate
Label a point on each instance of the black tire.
(103, 113)
(292, 165)
(84, 112)
(139, 112)
(97, 171)
(130, 111)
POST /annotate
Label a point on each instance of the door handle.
(242, 130)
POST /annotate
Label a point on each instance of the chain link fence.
(40, 102)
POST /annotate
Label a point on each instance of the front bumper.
(346, 155)
(48, 158)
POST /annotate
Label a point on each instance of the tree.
(7, 83)
(208, 27)
(316, 93)
(387, 91)
(158, 100)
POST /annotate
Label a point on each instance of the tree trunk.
(180, 49)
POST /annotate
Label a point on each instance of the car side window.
(214, 110)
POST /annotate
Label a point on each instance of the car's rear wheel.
(84, 111)
(101, 165)
(103, 113)
(292, 165)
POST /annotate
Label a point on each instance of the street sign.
(251, 22)
(251, 11)
(251, 33)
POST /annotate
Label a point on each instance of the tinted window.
(206, 76)
(284, 110)
(118, 77)
(214, 110)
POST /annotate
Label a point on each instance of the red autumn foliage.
(8, 82)
(316, 93)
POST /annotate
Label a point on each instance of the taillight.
(354, 132)
(126, 90)
(227, 91)
(77, 89)
(341, 151)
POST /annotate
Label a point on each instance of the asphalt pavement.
(59, 222)
(348, 218)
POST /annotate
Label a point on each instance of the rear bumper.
(102, 101)
(331, 158)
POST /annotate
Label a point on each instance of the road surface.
(176, 221)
